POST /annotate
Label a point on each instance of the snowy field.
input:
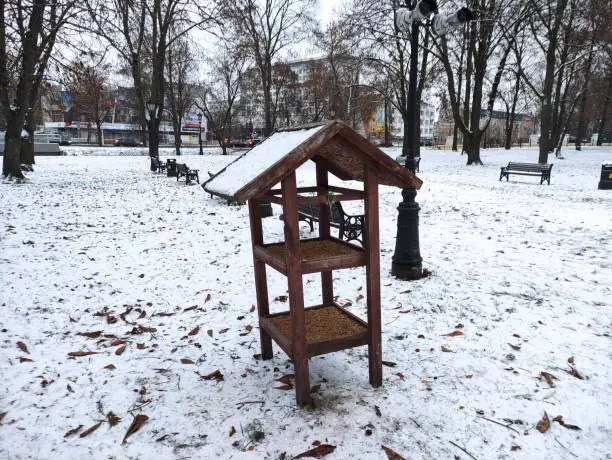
(159, 277)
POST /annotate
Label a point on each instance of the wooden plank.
(332, 168)
(274, 199)
(327, 283)
(387, 167)
(280, 338)
(358, 194)
(296, 291)
(357, 259)
(289, 163)
(261, 283)
(341, 343)
(372, 247)
(277, 263)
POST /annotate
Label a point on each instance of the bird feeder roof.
(333, 145)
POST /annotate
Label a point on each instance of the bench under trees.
(182, 170)
(158, 166)
(350, 227)
(527, 169)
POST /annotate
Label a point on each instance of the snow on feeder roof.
(334, 145)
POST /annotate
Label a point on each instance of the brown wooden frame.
(291, 262)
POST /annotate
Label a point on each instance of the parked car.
(253, 141)
(127, 142)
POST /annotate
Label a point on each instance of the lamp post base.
(407, 263)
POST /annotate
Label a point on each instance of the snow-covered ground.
(160, 275)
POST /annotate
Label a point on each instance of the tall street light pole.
(200, 132)
(407, 262)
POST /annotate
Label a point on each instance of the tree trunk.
(27, 145)
(471, 145)
(604, 115)
(11, 164)
(99, 133)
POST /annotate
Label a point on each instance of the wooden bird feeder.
(303, 332)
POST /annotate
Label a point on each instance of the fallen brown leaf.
(548, 377)
(319, 451)
(286, 379)
(110, 367)
(215, 375)
(78, 354)
(140, 346)
(137, 423)
(232, 431)
(163, 313)
(23, 359)
(453, 334)
(389, 363)
(391, 454)
(90, 430)
(194, 331)
(515, 347)
(281, 298)
(544, 424)
(223, 331)
(112, 418)
(186, 361)
(73, 431)
(208, 297)
(446, 350)
(210, 332)
(119, 351)
(116, 343)
(22, 346)
(573, 371)
(193, 307)
(110, 319)
(91, 335)
(377, 411)
(515, 447)
(570, 360)
(559, 420)
(284, 387)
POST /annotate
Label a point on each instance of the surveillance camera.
(422, 11)
(442, 22)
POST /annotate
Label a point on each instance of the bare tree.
(88, 84)
(488, 41)
(28, 33)
(217, 101)
(265, 28)
(284, 92)
(180, 65)
(138, 28)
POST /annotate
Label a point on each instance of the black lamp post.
(407, 262)
(200, 132)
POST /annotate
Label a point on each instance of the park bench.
(158, 165)
(349, 227)
(182, 170)
(171, 167)
(527, 169)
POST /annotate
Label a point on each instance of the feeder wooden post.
(296, 290)
(371, 244)
(327, 284)
(261, 284)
